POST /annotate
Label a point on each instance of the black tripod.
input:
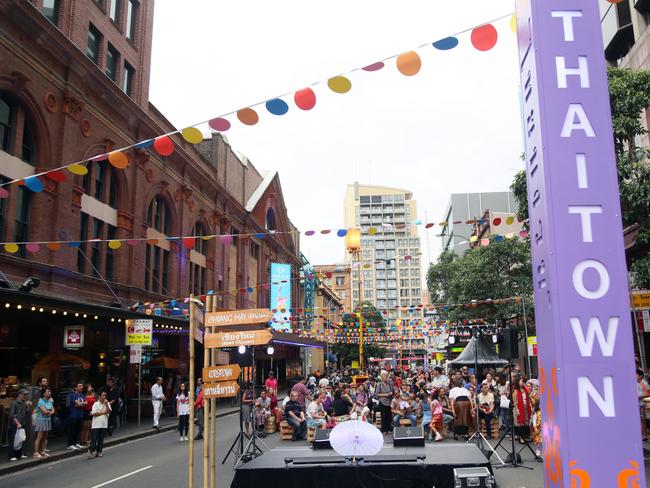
(513, 459)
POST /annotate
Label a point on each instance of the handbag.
(34, 417)
(505, 402)
(19, 438)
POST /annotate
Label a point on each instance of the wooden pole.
(213, 422)
(206, 410)
(190, 474)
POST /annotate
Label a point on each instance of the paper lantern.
(353, 240)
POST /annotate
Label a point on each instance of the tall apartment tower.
(391, 269)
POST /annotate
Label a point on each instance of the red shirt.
(271, 384)
(199, 400)
(90, 399)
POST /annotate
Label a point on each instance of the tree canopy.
(372, 317)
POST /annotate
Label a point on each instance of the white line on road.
(123, 476)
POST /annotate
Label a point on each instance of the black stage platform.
(429, 466)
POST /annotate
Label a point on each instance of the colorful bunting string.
(482, 37)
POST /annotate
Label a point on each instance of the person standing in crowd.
(486, 407)
(183, 411)
(44, 412)
(503, 392)
(157, 399)
(35, 394)
(447, 411)
(271, 385)
(302, 391)
(200, 418)
(85, 429)
(77, 401)
(461, 405)
(536, 426)
(197, 389)
(113, 397)
(384, 394)
(436, 416)
(521, 407)
(100, 414)
(296, 417)
(315, 413)
(18, 419)
(643, 392)
(247, 400)
(425, 408)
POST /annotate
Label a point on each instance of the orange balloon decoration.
(118, 160)
(409, 63)
(248, 116)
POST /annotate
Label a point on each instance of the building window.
(14, 121)
(157, 259)
(255, 250)
(83, 235)
(270, 223)
(94, 42)
(100, 182)
(116, 9)
(127, 81)
(112, 57)
(197, 272)
(51, 10)
(131, 18)
(95, 250)
(21, 231)
(340, 281)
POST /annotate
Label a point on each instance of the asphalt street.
(161, 461)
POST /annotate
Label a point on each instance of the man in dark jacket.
(18, 419)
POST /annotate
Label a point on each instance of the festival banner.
(281, 295)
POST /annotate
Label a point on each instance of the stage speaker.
(508, 346)
(408, 436)
(322, 439)
(478, 477)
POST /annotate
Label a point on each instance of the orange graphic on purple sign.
(579, 477)
(551, 442)
(629, 477)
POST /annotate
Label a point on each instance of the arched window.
(16, 130)
(156, 273)
(197, 261)
(270, 223)
(101, 182)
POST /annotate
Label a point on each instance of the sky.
(454, 127)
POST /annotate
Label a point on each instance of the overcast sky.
(454, 127)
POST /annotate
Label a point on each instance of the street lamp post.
(353, 245)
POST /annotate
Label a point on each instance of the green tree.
(500, 270)
(372, 318)
(629, 93)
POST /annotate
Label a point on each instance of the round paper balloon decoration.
(446, 43)
(77, 169)
(118, 160)
(339, 84)
(305, 99)
(409, 63)
(163, 145)
(192, 135)
(485, 37)
(219, 124)
(277, 106)
(248, 116)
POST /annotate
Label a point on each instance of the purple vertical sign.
(590, 411)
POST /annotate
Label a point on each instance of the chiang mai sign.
(221, 373)
(582, 305)
(223, 389)
(238, 338)
(238, 317)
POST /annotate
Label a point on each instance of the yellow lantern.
(353, 240)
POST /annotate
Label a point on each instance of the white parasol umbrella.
(356, 438)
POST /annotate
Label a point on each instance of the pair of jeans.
(74, 429)
(410, 417)
(183, 424)
(97, 440)
(488, 421)
(504, 417)
(299, 428)
(386, 417)
(199, 421)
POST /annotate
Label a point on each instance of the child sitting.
(331, 419)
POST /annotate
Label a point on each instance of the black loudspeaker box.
(408, 436)
(508, 346)
(474, 477)
(322, 439)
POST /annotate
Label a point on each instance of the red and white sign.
(139, 332)
(73, 336)
(135, 354)
(643, 320)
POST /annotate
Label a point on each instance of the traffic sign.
(238, 317)
(222, 389)
(641, 299)
(238, 338)
(139, 332)
(221, 373)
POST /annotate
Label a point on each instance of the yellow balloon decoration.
(114, 244)
(11, 248)
(510, 220)
(192, 135)
(77, 169)
(339, 84)
(513, 23)
(372, 231)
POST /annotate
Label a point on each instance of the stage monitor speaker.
(479, 477)
(508, 347)
(408, 436)
(322, 439)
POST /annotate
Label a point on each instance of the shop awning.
(63, 358)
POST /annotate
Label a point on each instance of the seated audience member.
(330, 419)
(315, 413)
(402, 409)
(340, 406)
(486, 407)
(361, 401)
(295, 417)
(262, 411)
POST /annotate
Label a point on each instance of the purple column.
(590, 411)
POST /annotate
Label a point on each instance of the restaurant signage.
(223, 389)
(221, 373)
(238, 338)
(73, 336)
(238, 317)
(139, 332)
(641, 299)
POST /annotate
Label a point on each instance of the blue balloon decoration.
(277, 106)
(260, 235)
(144, 144)
(73, 244)
(342, 232)
(172, 303)
(498, 238)
(446, 43)
(34, 184)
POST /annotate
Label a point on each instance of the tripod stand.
(478, 438)
(513, 459)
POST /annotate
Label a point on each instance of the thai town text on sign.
(221, 373)
(220, 390)
(239, 338)
(238, 317)
(579, 273)
(139, 332)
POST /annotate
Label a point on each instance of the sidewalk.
(127, 432)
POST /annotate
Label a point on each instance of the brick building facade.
(74, 78)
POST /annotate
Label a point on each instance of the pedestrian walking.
(113, 395)
(85, 430)
(44, 412)
(157, 398)
(77, 401)
(100, 414)
(198, 404)
(183, 411)
(18, 419)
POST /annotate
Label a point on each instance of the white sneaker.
(23, 457)
(181, 439)
(538, 453)
(185, 438)
(71, 448)
(13, 459)
(438, 437)
(46, 450)
(79, 446)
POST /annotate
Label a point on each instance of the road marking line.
(123, 476)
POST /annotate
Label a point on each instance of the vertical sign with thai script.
(579, 273)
